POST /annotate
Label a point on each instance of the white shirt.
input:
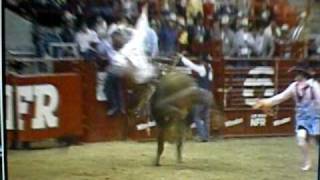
(259, 40)
(200, 69)
(292, 90)
(134, 52)
(244, 38)
(244, 41)
(297, 31)
(84, 39)
(102, 29)
(268, 31)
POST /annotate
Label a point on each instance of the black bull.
(171, 107)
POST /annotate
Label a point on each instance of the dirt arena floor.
(231, 159)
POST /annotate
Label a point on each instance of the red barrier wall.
(82, 115)
(69, 112)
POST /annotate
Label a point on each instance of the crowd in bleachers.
(250, 29)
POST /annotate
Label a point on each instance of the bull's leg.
(181, 133)
(160, 140)
(179, 149)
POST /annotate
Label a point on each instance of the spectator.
(165, 9)
(36, 39)
(199, 30)
(76, 7)
(168, 7)
(130, 8)
(315, 47)
(154, 8)
(229, 9)
(92, 53)
(125, 22)
(155, 24)
(152, 47)
(67, 34)
(101, 26)
(301, 31)
(285, 34)
(125, 31)
(207, 36)
(215, 31)
(183, 35)
(273, 30)
(68, 16)
(168, 37)
(119, 38)
(285, 41)
(227, 36)
(265, 15)
(43, 37)
(194, 9)
(190, 29)
(243, 8)
(263, 44)
(208, 9)
(181, 6)
(84, 38)
(112, 86)
(244, 41)
(108, 9)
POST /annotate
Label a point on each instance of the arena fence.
(65, 98)
(239, 83)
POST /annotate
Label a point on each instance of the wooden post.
(15, 140)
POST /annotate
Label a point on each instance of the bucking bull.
(171, 107)
(174, 95)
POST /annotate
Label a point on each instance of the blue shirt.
(105, 49)
(168, 40)
(151, 43)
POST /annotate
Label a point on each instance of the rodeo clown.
(306, 93)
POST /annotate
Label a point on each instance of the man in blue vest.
(202, 110)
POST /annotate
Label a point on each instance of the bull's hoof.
(156, 163)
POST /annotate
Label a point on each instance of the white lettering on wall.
(281, 121)
(24, 96)
(44, 112)
(258, 120)
(9, 107)
(46, 100)
(233, 122)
